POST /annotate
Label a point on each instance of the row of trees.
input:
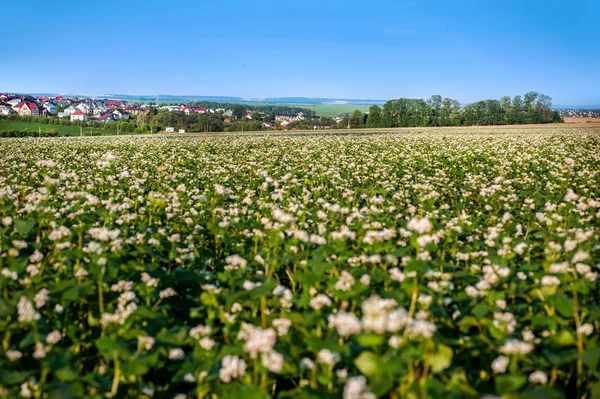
(407, 112)
(266, 109)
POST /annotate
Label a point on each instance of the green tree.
(239, 111)
(374, 118)
(516, 115)
(356, 119)
(435, 103)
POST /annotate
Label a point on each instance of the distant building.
(84, 107)
(100, 110)
(120, 114)
(181, 130)
(267, 125)
(170, 130)
(27, 109)
(70, 110)
(6, 110)
(51, 108)
(78, 116)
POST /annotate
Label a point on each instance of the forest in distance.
(531, 108)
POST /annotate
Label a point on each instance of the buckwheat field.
(447, 263)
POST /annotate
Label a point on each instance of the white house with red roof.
(27, 109)
(78, 116)
(200, 110)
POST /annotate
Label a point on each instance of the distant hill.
(169, 98)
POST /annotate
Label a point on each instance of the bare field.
(583, 121)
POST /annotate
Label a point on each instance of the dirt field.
(582, 121)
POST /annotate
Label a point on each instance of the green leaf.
(12, 377)
(541, 392)
(591, 358)
(509, 383)
(441, 359)
(480, 310)
(66, 374)
(369, 340)
(141, 365)
(595, 391)
(23, 226)
(563, 305)
(565, 338)
(467, 322)
(368, 363)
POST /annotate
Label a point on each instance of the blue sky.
(464, 49)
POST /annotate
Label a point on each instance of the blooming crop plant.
(446, 263)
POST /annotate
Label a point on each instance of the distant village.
(78, 109)
(580, 113)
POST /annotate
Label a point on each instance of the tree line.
(530, 108)
(267, 109)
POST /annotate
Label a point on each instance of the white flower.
(40, 351)
(207, 343)
(200, 331)
(580, 256)
(13, 355)
(516, 347)
(538, 377)
(232, 367)
(550, 281)
(345, 323)
(327, 357)
(356, 388)
(258, 340)
(422, 329)
(396, 274)
(365, 279)
(319, 301)
(235, 262)
(420, 226)
(220, 189)
(26, 311)
(500, 364)
(149, 280)
(176, 354)
(53, 337)
(41, 298)
(167, 292)
(273, 361)
(236, 307)
(282, 326)
(145, 343)
(306, 363)
(81, 272)
(148, 391)
(585, 329)
(395, 341)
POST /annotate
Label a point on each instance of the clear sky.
(464, 49)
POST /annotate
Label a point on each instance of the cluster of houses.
(579, 113)
(105, 110)
(76, 109)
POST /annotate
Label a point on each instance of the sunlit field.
(443, 263)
